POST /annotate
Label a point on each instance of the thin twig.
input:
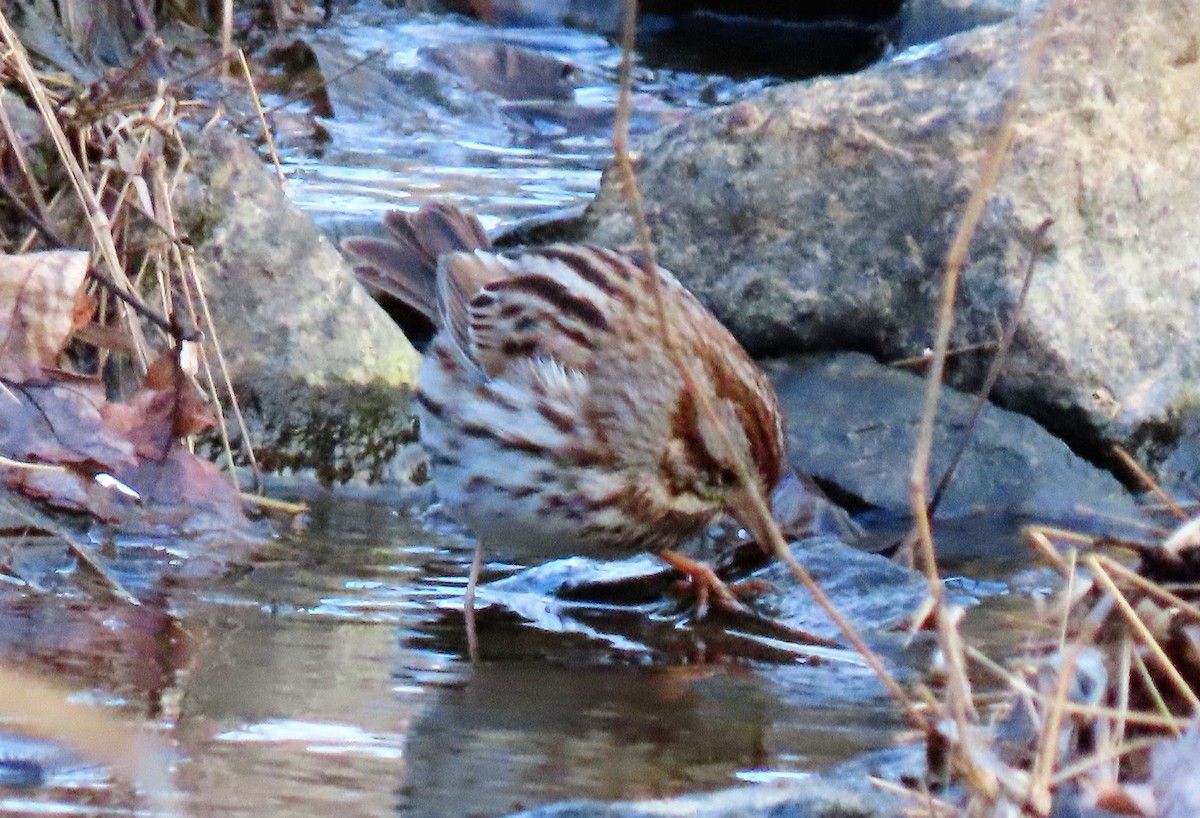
(995, 368)
(97, 219)
(1046, 755)
(1152, 588)
(934, 806)
(183, 260)
(262, 119)
(760, 507)
(226, 36)
(82, 553)
(1149, 482)
(1037, 537)
(921, 360)
(307, 92)
(1144, 634)
(38, 223)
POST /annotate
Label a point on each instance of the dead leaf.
(167, 408)
(185, 493)
(83, 311)
(38, 295)
(61, 424)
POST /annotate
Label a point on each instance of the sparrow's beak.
(742, 508)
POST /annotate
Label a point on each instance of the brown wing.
(404, 265)
(505, 310)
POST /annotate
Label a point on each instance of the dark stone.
(505, 70)
(853, 424)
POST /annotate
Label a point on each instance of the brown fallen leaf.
(38, 297)
(167, 407)
(62, 424)
(53, 418)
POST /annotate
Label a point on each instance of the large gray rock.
(818, 216)
(853, 423)
(321, 370)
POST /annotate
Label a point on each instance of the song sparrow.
(554, 419)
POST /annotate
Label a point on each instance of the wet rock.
(871, 591)
(811, 797)
(853, 424)
(926, 21)
(1180, 469)
(818, 215)
(505, 70)
(874, 594)
(27, 123)
(320, 370)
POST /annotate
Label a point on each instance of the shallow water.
(407, 130)
(335, 679)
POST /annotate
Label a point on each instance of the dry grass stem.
(1147, 681)
(273, 504)
(760, 507)
(1084, 765)
(223, 368)
(999, 359)
(262, 119)
(26, 511)
(1047, 755)
(1143, 633)
(132, 151)
(993, 161)
(18, 149)
(1152, 588)
(1038, 538)
(97, 219)
(1149, 483)
(9, 463)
